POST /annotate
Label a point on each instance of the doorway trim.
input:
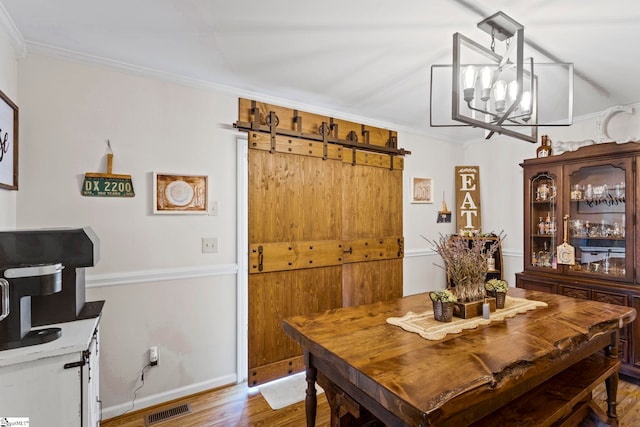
(242, 245)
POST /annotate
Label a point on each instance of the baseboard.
(156, 399)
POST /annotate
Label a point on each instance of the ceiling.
(368, 59)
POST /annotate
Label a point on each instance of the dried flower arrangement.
(444, 295)
(465, 262)
(497, 285)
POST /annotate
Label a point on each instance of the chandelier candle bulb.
(500, 94)
(469, 83)
(485, 77)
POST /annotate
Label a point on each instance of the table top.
(426, 382)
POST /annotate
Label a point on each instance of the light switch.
(213, 208)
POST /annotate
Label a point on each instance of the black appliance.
(18, 285)
(43, 282)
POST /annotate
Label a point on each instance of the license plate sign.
(101, 186)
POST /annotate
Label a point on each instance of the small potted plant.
(443, 302)
(497, 288)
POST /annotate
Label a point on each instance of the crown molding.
(80, 57)
(11, 30)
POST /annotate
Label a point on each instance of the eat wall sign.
(468, 218)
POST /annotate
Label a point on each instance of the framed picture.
(180, 194)
(8, 143)
(422, 190)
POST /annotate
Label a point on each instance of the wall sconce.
(500, 92)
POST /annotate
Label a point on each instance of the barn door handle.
(260, 257)
(399, 248)
(350, 251)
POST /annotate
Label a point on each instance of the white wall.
(71, 110)
(429, 158)
(158, 286)
(8, 85)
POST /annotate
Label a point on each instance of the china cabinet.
(580, 231)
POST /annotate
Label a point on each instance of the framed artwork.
(8, 143)
(422, 190)
(180, 194)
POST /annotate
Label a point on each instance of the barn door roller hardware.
(272, 122)
(325, 130)
(365, 134)
(265, 119)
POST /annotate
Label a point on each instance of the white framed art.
(180, 194)
(421, 190)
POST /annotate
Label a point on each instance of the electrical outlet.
(209, 245)
(154, 357)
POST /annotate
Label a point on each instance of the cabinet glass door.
(543, 221)
(598, 219)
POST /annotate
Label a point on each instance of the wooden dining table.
(376, 373)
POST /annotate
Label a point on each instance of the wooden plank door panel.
(293, 198)
(369, 282)
(292, 201)
(372, 209)
(372, 202)
(276, 296)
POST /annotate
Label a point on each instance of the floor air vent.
(166, 414)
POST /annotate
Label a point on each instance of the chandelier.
(499, 92)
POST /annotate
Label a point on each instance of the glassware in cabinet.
(543, 220)
(598, 213)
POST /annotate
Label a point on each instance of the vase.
(467, 291)
(442, 311)
(499, 296)
(500, 299)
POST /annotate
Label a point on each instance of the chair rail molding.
(136, 277)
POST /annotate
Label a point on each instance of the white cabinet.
(54, 384)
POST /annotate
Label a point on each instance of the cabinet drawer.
(610, 298)
(536, 286)
(573, 292)
(616, 299)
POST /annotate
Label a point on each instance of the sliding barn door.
(372, 230)
(325, 231)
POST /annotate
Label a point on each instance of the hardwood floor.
(238, 405)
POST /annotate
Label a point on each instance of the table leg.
(310, 402)
(611, 383)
